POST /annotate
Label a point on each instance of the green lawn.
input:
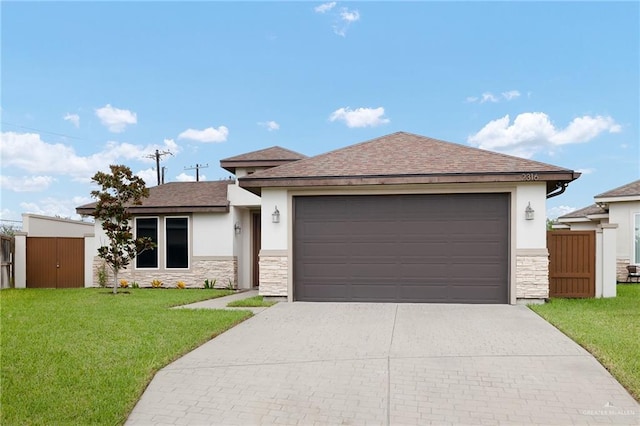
(608, 328)
(251, 302)
(84, 356)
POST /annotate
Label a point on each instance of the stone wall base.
(532, 274)
(223, 270)
(621, 268)
(274, 272)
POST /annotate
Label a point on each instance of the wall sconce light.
(528, 212)
(237, 228)
(275, 216)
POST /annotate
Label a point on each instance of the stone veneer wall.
(274, 271)
(222, 269)
(532, 274)
(621, 268)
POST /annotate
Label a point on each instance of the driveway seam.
(393, 330)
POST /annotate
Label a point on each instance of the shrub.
(180, 284)
(209, 283)
(156, 283)
(124, 283)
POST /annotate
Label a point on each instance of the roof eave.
(254, 183)
(617, 199)
(163, 210)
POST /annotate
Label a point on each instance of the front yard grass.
(251, 302)
(608, 328)
(84, 356)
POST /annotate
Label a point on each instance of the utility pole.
(157, 156)
(197, 169)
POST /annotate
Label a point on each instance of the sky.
(88, 84)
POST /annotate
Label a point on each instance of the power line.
(41, 131)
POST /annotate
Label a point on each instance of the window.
(636, 240)
(177, 242)
(147, 227)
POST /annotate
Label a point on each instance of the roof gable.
(179, 197)
(268, 157)
(408, 157)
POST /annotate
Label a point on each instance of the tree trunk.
(115, 281)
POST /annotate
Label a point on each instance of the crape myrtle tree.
(118, 190)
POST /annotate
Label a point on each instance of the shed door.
(55, 262)
(451, 248)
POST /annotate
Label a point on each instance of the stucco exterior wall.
(623, 214)
(531, 234)
(47, 226)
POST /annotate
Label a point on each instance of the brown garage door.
(402, 248)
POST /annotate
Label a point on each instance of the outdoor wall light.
(275, 216)
(237, 228)
(528, 212)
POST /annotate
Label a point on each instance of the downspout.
(560, 188)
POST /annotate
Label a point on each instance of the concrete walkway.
(221, 302)
(387, 364)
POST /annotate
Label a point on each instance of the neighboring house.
(37, 261)
(618, 210)
(398, 218)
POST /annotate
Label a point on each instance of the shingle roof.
(583, 212)
(627, 190)
(179, 197)
(268, 157)
(405, 155)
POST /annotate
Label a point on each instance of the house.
(616, 212)
(398, 218)
(203, 230)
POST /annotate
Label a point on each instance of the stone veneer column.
(532, 274)
(274, 273)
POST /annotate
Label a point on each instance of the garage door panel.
(410, 248)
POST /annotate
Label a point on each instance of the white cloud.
(210, 134)
(26, 183)
(149, 176)
(183, 177)
(360, 117)
(349, 15)
(56, 207)
(585, 171)
(556, 212)
(269, 125)
(511, 94)
(115, 119)
(73, 118)
(490, 97)
(532, 132)
(59, 159)
(325, 7)
(344, 21)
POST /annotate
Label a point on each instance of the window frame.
(156, 249)
(635, 239)
(166, 243)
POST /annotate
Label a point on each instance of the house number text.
(529, 176)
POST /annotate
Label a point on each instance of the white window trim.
(166, 247)
(135, 235)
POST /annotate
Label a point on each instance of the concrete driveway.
(388, 364)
